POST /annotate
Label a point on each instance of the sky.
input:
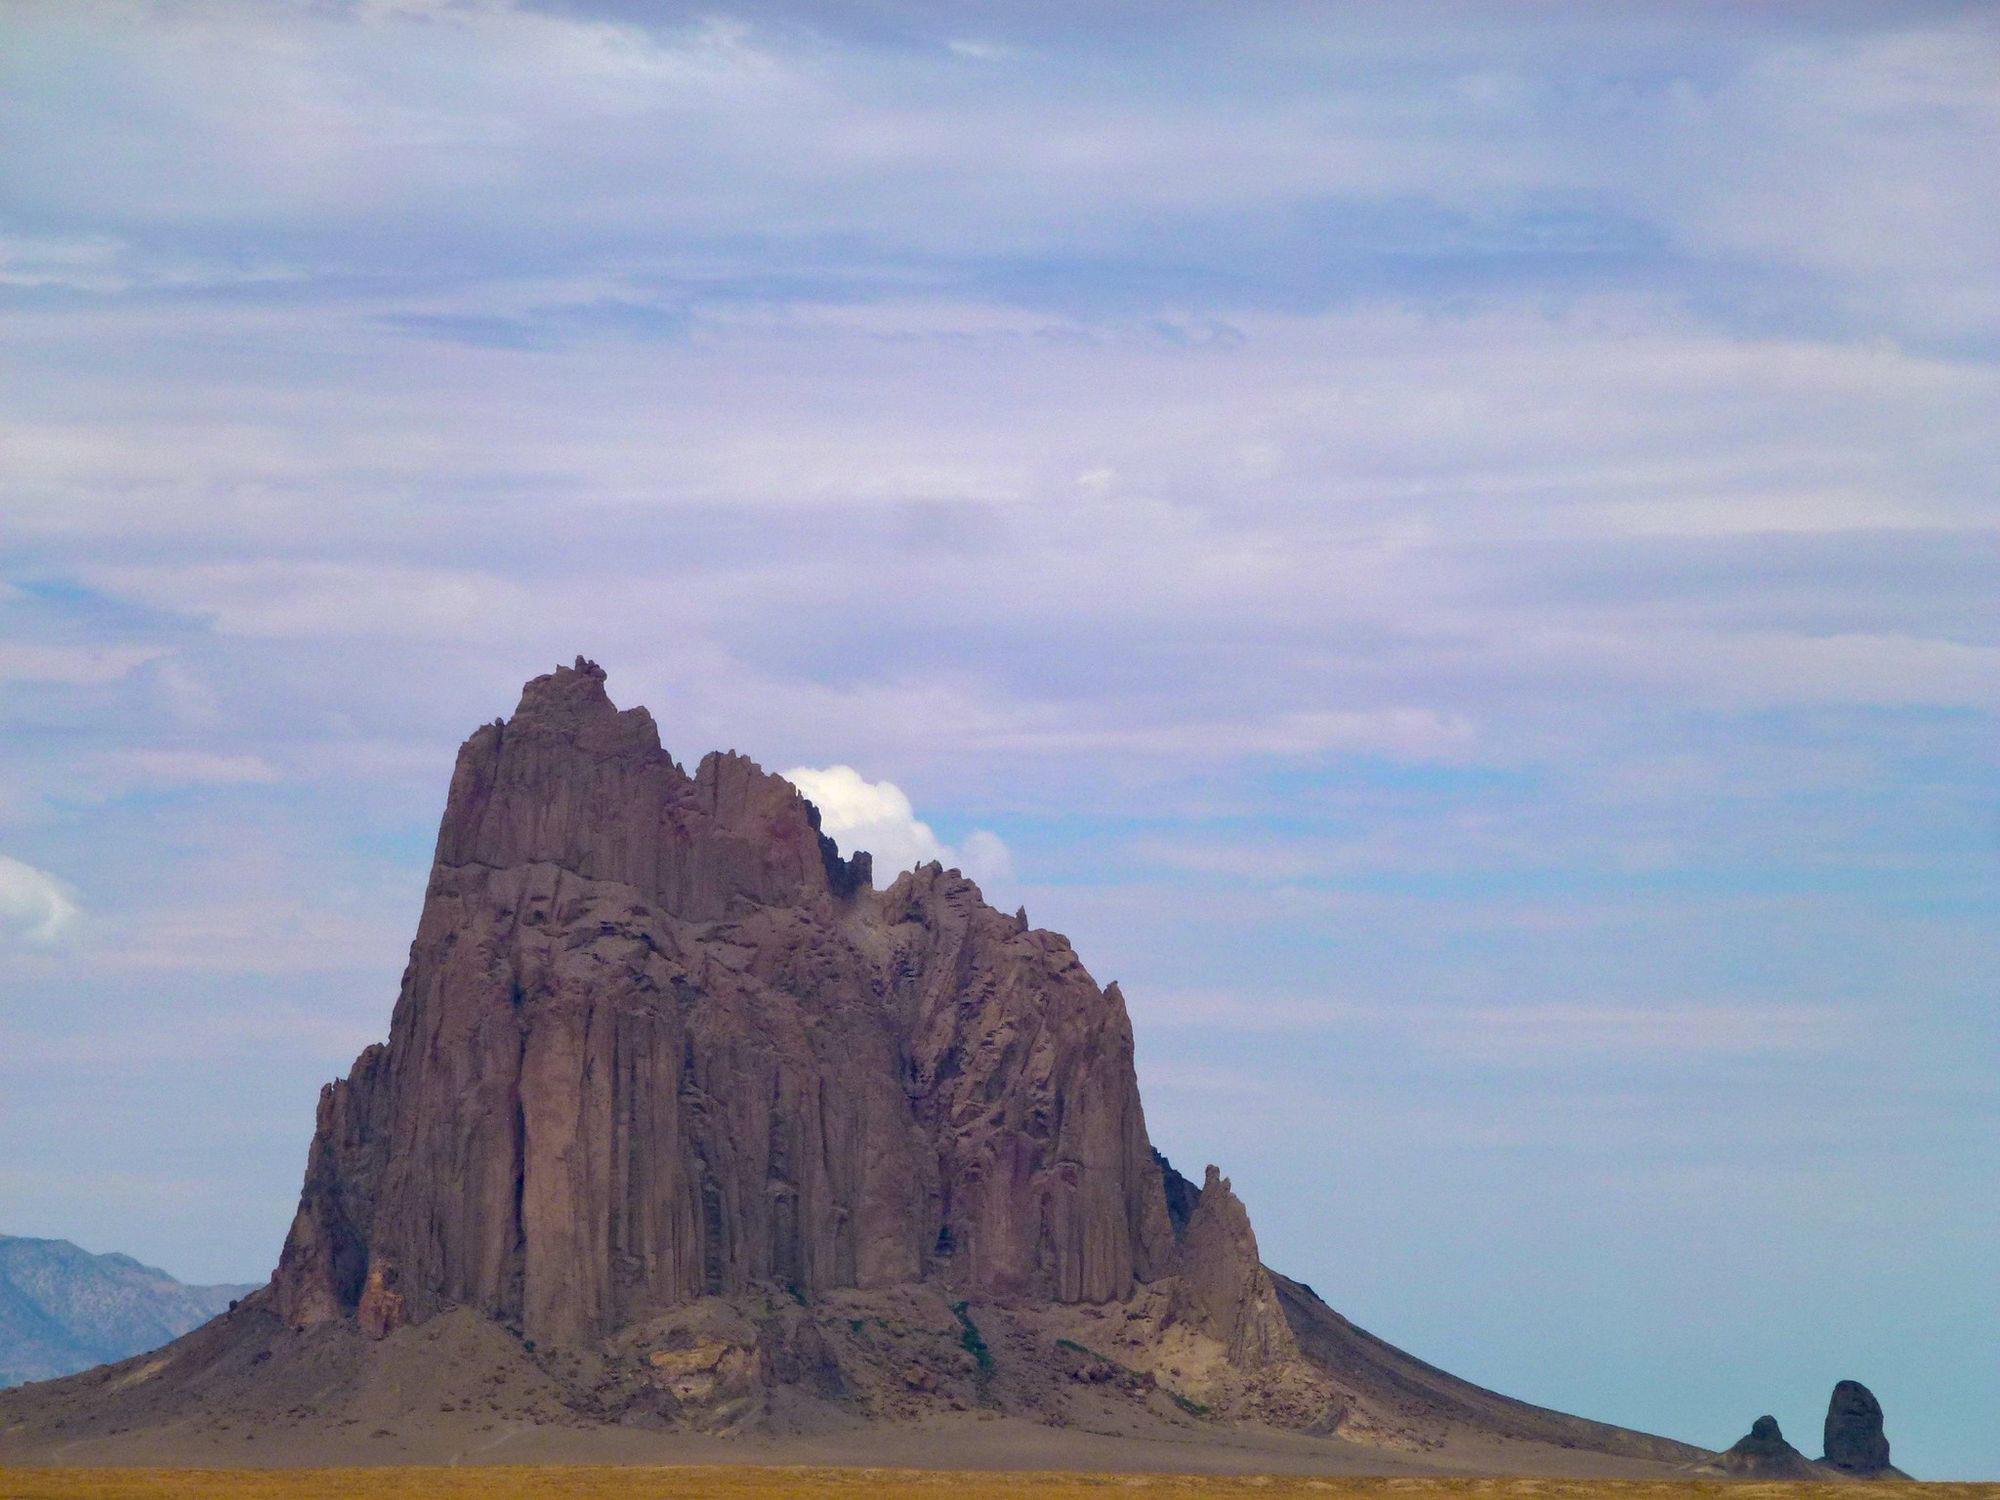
(1452, 548)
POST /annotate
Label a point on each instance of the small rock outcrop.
(1224, 1289)
(1855, 1442)
(1763, 1453)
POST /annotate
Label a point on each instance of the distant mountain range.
(63, 1309)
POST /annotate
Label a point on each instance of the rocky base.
(760, 1365)
(1763, 1454)
(769, 1366)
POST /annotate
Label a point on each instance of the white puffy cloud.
(33, 903)
(985, 857)
(877, 816)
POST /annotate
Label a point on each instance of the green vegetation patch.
(974, 1343)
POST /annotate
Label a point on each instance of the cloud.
(28, 661)
(1854, 157)
(81, 264)
(253, 933)
(877, 816)
(360, 137)
(1399, 732)
(985, 857)
(182, 768)
(979, 51)
(34, 904)
(278, 598)
(1557, 1034)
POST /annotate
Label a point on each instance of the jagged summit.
(658, 1040)
(681, 1123)
(571, 782)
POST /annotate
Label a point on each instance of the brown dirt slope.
(904, 1389)
(1434, 1401)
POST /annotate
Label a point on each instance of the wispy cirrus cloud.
(1559, 1034)
(282, 598)
(181, 768)
(30, 661)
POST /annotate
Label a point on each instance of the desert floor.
(565, 1482)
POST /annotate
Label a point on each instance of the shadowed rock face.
(1182, 1195)
(1855, 1442)
(1764, 1454)
(658, 1040)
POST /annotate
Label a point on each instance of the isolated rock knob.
(1854, 1439)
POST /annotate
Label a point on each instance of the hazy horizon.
(1452, 549)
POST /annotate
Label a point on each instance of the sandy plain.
(578, 1482)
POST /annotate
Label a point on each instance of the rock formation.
(1763, 1454)
(1855, 1442)
(657, 1040)
(1224, 1289)
(682, 1124)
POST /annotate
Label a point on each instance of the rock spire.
(657, 1039)
(1855, 1442)
(1224, 1289)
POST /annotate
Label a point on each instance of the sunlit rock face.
(1224, 1288)
(658, 1040)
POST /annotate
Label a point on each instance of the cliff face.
(658, 1040)
(734, 1142)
